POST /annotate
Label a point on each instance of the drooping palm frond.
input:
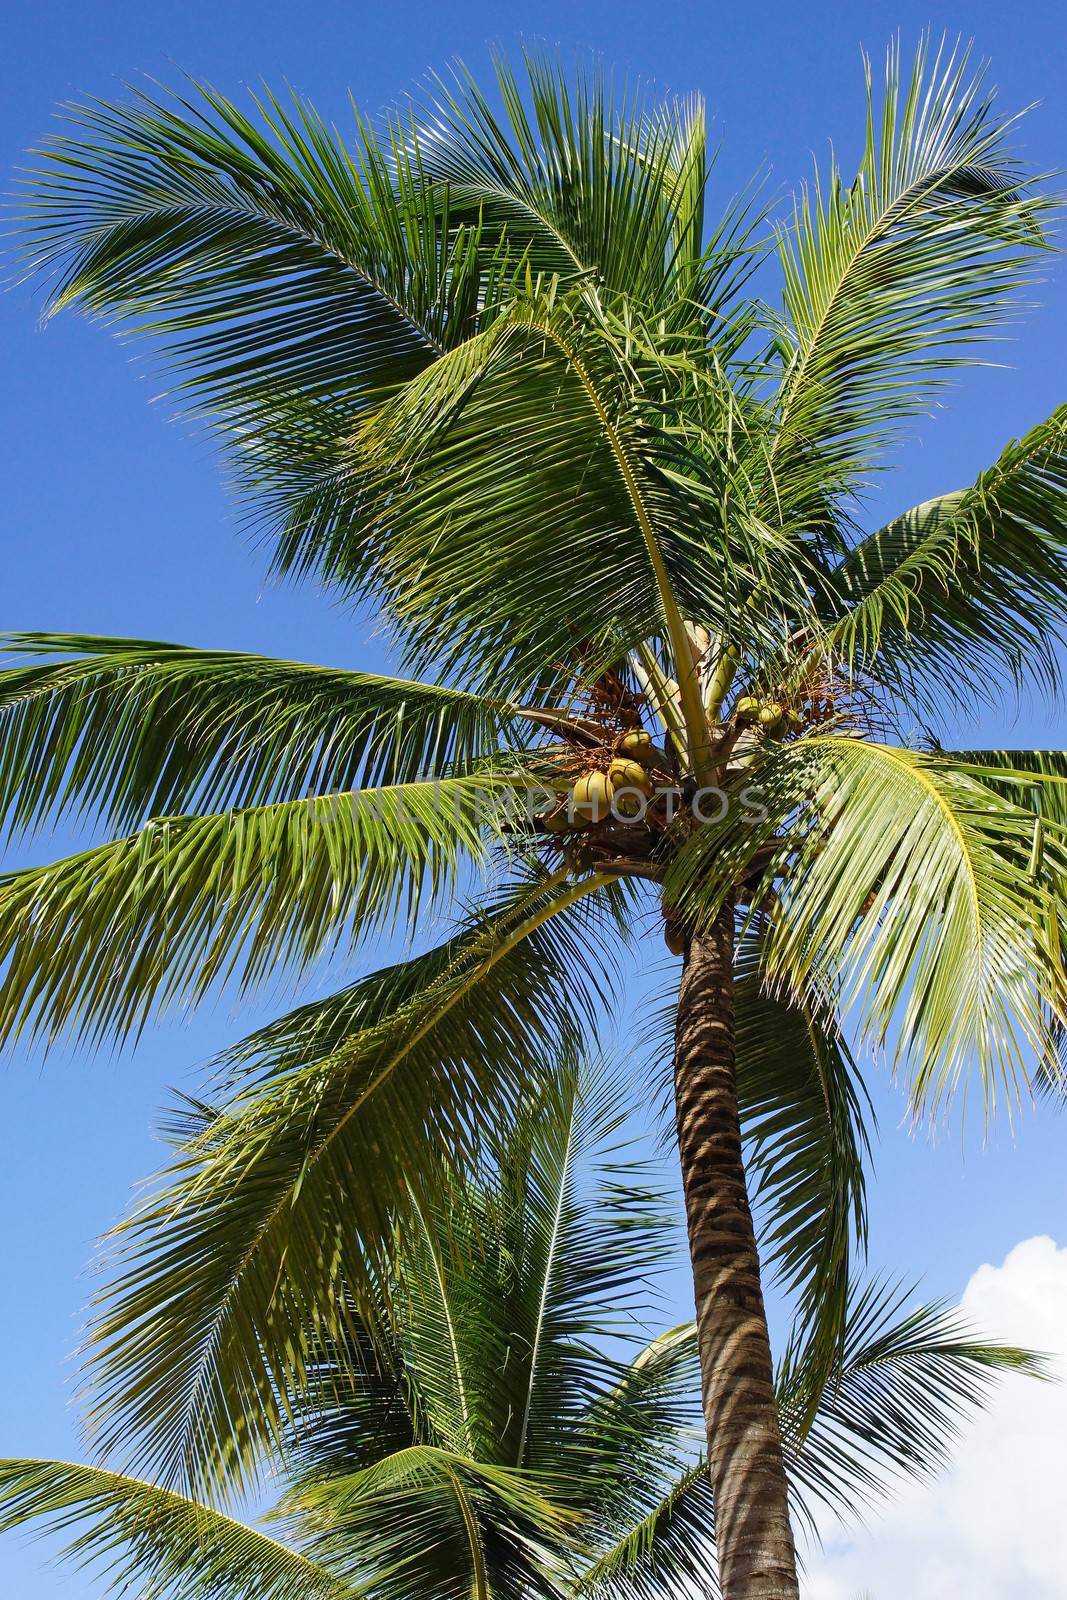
(268, 256)
(909, 1376)
(131, 729)
(805, 1116)
(170, 1546)
(908, 878)
(966, 590)
(889, 278)
(341, 1125)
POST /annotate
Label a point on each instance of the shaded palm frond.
(278, 1219)
(805, 1115)
(910, 1376)
(433, 1519)
(591, 530)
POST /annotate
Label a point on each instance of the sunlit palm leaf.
(137, 1533)
(97, 942)
(131, 729)
(587, 529)
(969, 589)
(587, 178)
(889, 278)
(908, 878)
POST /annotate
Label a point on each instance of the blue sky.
(115, 521)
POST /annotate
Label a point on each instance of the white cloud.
(994, 1525)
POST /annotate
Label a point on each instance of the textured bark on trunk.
(753, 1538)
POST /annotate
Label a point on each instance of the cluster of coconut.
(769, 715)
(624, 786)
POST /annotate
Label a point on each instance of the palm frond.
(890, 277)
(589, 527)
(291, 281)
(908, 878)
(433, 1519)
(589, 1230)
(260, 248)
(277, 1221)
(138, 1533)
(590, 181)
(910, 1376)
(967, 589)
(131, 728)
(97, 942)
(804, 1117)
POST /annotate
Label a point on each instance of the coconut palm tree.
(492, 373)
(493, 1446)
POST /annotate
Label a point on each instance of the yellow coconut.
(636, 743)
(591, 797)
(770, 715)
(624, 774)
(747, 708)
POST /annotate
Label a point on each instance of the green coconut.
(747, 708)
(770, 715)
(627, 803)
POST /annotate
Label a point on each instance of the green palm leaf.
(908, 878)
(168, 1545)
(888, 278)
(133, 729)
(967, 587)
(431, 1519)
(587, 179)
(96, 942)
(342, 1124)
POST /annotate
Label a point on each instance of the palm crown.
(493, 1446)
(495, 376)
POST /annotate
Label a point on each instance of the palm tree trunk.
(756, 1555)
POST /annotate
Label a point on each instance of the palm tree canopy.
(513, 1437)
(492, 372)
